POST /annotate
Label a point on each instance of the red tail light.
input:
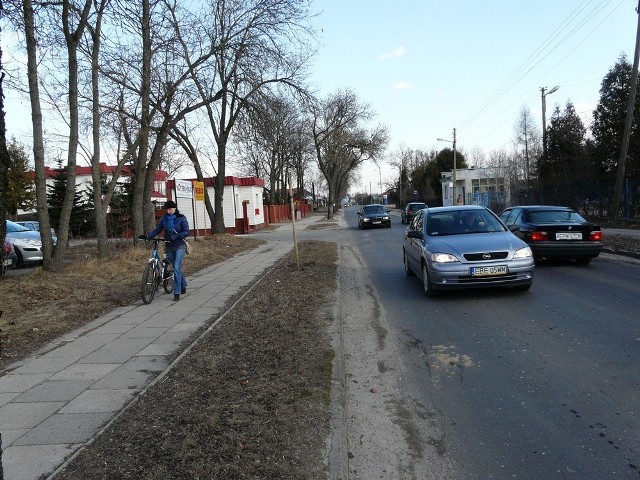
(596, 236)
(539, 236)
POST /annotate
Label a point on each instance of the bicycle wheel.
(167, 281)
(149, 283)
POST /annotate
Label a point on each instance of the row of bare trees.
(127, 78)
(131, 80)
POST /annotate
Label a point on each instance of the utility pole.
(627, 125)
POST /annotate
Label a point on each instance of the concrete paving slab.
(7, 397)
(142, 331)
(10, 436)
(99, 401)
(15, 416)
(30, 463)
(86, 371)
(136, 373)
(117, 351)
(14, 382)
(44, 365)
(67, 428)
(55, 391)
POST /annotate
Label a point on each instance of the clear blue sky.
(428, 66)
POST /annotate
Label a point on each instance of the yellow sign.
(198, 191)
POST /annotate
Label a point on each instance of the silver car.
(27, 243)
(465, 247)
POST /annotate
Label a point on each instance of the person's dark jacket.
(179, 233)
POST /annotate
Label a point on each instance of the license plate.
(568, 236)
(7, 262)
(484, 271)
(376, 222)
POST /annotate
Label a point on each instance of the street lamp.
(453, 196)
(544, 120)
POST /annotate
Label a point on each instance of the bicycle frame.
(158, 271)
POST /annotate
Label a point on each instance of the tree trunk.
(138, 217)
(218, 216)
(38, 136)
(99, 201)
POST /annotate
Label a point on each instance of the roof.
(83, 171)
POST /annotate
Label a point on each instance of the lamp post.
(544, 94)
(453, 196)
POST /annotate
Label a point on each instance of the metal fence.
(589, 198)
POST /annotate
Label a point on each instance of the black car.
(410, 210)
(374, 215)
(555, 232)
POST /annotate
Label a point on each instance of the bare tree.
(528, 148)
(341, 142)
(260, 43)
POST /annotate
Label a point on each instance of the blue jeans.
(176, 258)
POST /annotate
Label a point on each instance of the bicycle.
(157, 271)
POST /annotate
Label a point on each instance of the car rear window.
(555, 216)
(412, 207)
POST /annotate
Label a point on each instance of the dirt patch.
(39, 307)
(251, 400)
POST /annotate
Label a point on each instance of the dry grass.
(39, 307)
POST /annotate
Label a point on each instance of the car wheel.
(522, 288)
(20, 262)
(428, 287)
(583, 260)
(405, 260)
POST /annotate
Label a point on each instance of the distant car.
(555, 232)
(27, 243)
(374, 215)
(35, 225)
(465, 247)
(409, 211)
(10, 257)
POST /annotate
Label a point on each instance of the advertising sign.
(184, 189)
(198, 188)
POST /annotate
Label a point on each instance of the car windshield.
(14, 227)
(555, 216)
(412, 207)
(462, 222)
(374, 209)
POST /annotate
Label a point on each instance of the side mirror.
(414, 234)
(513, 228)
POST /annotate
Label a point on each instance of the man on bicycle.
(176, 229)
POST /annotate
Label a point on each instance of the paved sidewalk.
(55, 401)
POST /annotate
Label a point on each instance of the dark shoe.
(176, 297)
(184, 290)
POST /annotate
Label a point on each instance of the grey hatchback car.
(465, 247)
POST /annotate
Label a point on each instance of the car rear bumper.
(566, 250)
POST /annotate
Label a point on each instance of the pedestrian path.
(54, 402)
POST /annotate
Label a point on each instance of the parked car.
(409, 211)
(374, 215)
(27, 243)
(465, 247)
(555, 232)
(35, 225)
(10, 257)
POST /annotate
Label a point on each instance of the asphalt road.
(529, 385)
